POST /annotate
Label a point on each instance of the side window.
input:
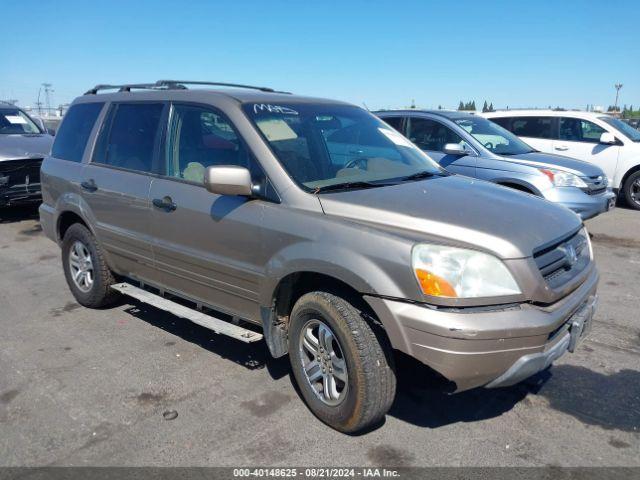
(533, 127)
(128, 136)
(431, 135)
(395, 122)
(576, 130)
(504, 122)
(199, 138)
(74, 132)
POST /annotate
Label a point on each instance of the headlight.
(587, 239)
(460, 273)
(560, 178)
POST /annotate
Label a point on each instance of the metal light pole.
(618, 87)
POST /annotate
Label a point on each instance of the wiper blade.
(349, 186)
(419, 175)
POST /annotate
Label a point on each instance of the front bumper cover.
(474, 347)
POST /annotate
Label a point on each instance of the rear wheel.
(344, 371)
(85, 269)
(631, 190)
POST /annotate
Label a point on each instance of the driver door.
(431, 136)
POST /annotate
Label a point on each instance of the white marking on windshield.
(261, 107)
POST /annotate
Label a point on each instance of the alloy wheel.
(323, 362)
(81, 266)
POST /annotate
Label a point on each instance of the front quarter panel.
(370, 261)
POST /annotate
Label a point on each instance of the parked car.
(314, 225)
(48, 124)
(597, 138)
(23, 145)
(470, 145)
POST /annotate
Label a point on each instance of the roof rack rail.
(173, 85)
(121, 88)
(182, 83)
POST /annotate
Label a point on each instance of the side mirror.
(608, 138)
(51, 132)
(228, 180)
(455, 149)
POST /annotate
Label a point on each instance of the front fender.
(355, 269)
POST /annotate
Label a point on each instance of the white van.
(593, 137)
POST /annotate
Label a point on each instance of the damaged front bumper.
(20, 181)
(494, 347)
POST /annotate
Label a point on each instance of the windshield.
(494, 138)
(624, 128)
(323, 146)
(15, 121)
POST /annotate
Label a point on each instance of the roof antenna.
(365, 106)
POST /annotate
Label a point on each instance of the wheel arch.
(627, 174)
(354, 278)
(65, 220)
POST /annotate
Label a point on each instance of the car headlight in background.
(560, 178)
(460, 273)
(587, 239)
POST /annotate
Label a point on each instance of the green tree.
(473, 105)
(485, 107)
(461, 106)
(491, 107)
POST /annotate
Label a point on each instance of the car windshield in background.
(625, 128)
(326, 147)
(14, 121)
(494, 138)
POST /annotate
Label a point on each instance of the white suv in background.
(593, 137)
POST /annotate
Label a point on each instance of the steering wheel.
(359, 162)
(489, 145)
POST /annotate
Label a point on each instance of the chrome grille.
(562, 261)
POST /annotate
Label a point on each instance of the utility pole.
(39, 103)
(47, 96)
(618, 87)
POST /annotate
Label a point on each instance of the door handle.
(165, 203)
(562, 148)
(89, 185)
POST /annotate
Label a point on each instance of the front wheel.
(344, 371)
(631, 190)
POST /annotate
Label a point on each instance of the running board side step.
(207, 321)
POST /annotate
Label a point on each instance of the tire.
(78, 244)
(631, 190)
(366, 390)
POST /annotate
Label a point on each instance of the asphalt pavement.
(103, 387)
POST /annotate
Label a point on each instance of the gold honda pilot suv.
(314, 226)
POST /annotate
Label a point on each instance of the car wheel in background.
(343, 370)
(85, 269)
(631, 190)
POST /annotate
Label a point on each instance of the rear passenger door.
(116, 184)
(207, 247)
(62, 171)
(432, 136)
(539, 132)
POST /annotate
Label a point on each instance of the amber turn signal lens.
(434, 285)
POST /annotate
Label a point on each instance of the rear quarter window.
(71, 138)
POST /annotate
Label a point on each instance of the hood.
(15, 147)
(458, 210)
(549, 160)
